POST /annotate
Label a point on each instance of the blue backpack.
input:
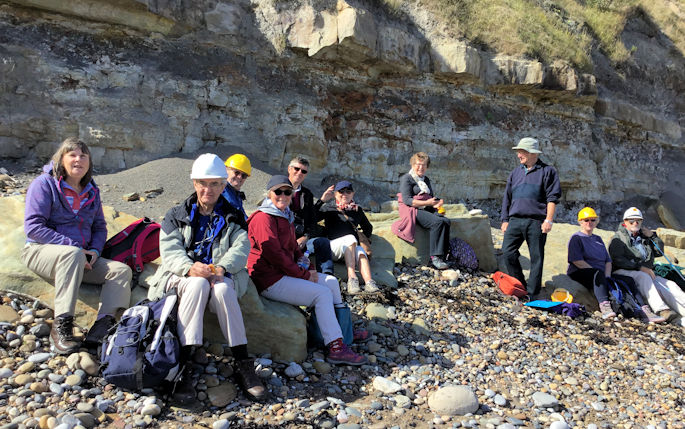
(144, 349)
(622, 299)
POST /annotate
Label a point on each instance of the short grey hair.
(299, 160)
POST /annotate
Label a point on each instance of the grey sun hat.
(528, 144)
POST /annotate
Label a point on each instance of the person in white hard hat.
(204, 246)
(632, 251)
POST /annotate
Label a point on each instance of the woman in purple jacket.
(65, 232)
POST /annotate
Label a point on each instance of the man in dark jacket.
(307, 231)
(528, 206)
(632, 251)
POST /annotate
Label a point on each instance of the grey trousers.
(194, 294)
(65, 266)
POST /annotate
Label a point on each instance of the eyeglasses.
(346, 191)
(240, 174)
(632, 221)
(286, 192)
(300, 169)
(589, 220)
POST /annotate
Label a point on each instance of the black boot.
(99, 331)
(184, 392)
(248, 380)
(62, 335)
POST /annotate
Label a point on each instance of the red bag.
(137, 244)
(509, 285)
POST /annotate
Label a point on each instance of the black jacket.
(625, 256)
(337, 225)
(307, 216)
(409, 188)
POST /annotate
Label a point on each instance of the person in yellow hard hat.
(239, 169)
(588, 260)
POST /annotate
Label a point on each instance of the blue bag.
(344, 316)
(144, 349)
(622, 299)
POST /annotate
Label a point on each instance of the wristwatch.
(549, 221)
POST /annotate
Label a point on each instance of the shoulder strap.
(140, 241)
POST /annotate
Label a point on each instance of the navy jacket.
(527, 193)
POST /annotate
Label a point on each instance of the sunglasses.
(300, 169)
(632, 221)
(346, 191)
(240, 174)
(286, 192)
(589, 220)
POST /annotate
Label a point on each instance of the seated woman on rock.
(341, 223)
(281, 272)
(416, 194)
(589, 263)
(65, 233)
(203, 244)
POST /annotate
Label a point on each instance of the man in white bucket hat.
(632, 250)
(528, 206)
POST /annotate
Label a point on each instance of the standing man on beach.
(239, 169)
(307, 231)
(528, 206)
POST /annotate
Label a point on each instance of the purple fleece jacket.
(48, 218)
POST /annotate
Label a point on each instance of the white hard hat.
(632, 213)
(208, 166)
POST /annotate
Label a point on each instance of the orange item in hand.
(211, 267)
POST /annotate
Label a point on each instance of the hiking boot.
(650, 317)
(248, 380)
(669, 315)
(338, 352)
(439, 263)
(99, 330)
(606, 310)
(353, 286)
(371, 286)
(360, 336)
(62, 335)
(184, 392)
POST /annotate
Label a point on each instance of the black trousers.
(529, 230)
(438, 228)
(594, 280)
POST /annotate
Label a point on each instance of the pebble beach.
(448, 350)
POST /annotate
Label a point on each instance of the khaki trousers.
(65, 266)
(660, 293)
(193, 294)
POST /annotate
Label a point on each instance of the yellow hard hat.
(585, 213)
(562, 295)
(239, 162)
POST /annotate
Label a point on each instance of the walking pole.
(668, 260)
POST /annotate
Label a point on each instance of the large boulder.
(671, 210)
(474, 229)
(272, 327)
(672, 238)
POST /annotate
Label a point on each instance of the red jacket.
(274, 251)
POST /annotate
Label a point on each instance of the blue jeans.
(324, 258)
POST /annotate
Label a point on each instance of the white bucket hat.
(528, 144)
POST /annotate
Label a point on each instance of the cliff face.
(344, 83)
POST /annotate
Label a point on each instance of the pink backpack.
(136, 245)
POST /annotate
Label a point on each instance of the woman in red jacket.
(280, 271)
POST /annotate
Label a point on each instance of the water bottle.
(304, 260)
